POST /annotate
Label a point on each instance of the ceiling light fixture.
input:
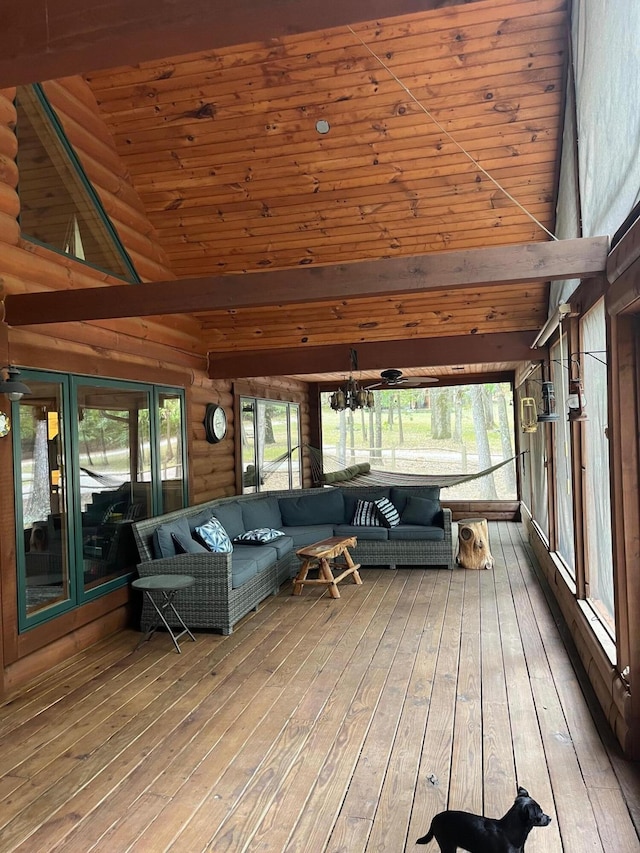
(351, 395)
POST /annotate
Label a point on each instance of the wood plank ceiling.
(443, 133)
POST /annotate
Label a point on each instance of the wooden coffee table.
(324, 556)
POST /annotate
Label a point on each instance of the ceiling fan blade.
(416, 381)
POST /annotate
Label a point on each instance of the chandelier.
(351, 395)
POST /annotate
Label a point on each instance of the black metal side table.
(168, 586)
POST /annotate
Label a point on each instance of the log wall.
(157, 350)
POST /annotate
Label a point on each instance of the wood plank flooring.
(322, 725)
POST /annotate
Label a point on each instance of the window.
(58, 206)
(270, 445)
(597, 498)
(562, 456)
(92, 456)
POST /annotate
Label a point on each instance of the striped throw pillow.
(366, 515)
(387, 513)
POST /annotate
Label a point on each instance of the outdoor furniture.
(324, 556)
(473, 544)
(168, 587)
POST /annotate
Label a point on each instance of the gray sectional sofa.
(229, 585)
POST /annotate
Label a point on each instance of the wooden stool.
(473, 544)
(323, 556)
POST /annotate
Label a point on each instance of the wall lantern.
(11, 386)
(528, 414)
(576, 401)
(548, 413)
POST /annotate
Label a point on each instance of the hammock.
(363, 475)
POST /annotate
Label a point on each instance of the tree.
(400, 432)
(482, 440)
(505, 441)
(440, 413)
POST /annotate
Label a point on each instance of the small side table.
(324, 556)
(473, 544)
(168, 586)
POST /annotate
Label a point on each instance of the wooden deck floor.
(321, 725)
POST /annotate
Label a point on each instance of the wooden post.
(473, 544)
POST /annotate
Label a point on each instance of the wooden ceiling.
(444, 133)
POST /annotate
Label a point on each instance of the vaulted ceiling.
(375, 140)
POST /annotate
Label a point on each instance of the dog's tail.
(426, 838)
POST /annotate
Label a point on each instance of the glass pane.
(598, 556)
(562, 455)
(55, 205)
(115, 477)
(537, 446)
(275, 468)
(248, 445)
(44, 497)
(171, 451)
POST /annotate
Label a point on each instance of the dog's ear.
(522, 792)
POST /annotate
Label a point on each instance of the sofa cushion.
(242, 570)
(163, 544)
(355, 494)
(259, 536)
(261, 512)
(307, 534)
(421, 511)
(263, 557)
(282, 546)
(387, 513)
(230, 516)
(416, 531)
(325, 507)
(199, 518)
(366, 515)
(378, 533)
(215, 537)
(399, 495)
(187, 544)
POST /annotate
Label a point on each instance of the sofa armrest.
(211, 569)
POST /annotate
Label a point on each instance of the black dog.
(477, 834)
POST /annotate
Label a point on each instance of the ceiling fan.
(392, 378)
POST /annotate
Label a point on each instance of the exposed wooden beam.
(422, 352)
(44, 39)
(441, 271)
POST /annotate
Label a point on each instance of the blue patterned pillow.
(366, 515)
(259, 536)
(387, 513)
(215, 537)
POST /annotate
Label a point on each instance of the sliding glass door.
(91, 457)
(270, 445)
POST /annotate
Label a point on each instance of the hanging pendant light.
(351, 395)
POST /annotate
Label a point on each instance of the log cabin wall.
(165, 352)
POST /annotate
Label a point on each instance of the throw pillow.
(366, 515)
(215, 537)
(387, 513)
(420, 511)
(187, 545)
(259, 536)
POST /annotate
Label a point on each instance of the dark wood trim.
(418, 352)
(623, 296)
(46, 39)
(440, 271)
(624, 254)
